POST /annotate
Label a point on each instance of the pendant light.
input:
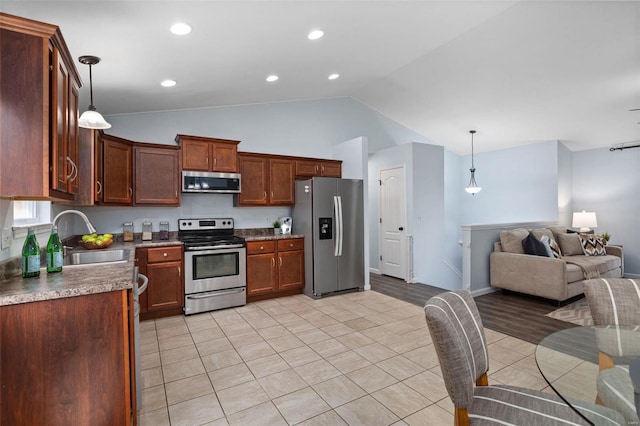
(473, 187)
(91, 119)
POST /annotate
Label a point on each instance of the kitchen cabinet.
(68, 361)
(165, 292)
(267, 180)
(275, 268)
(157, 175)
(39, 86)
(309, 168)
(208, 154)
(115, 180)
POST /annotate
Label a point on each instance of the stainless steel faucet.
(84, 217)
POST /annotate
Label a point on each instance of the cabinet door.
(165, 289)
(116, 173)
(281, 182)
(73, 139)
(157, 176)
(290, 270)
(195, 155)
(254, 181)
(331, 169)
(225, 157)
(99, 156)
(61, 169)
(261, 274)
(306, 169)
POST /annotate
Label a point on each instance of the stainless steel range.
(215, 265)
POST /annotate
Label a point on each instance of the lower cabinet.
(164, 267)
(275, 268)
(68, 361)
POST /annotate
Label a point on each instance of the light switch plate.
(5, 239)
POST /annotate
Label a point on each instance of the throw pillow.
(545, 241)
(512, 240)
(541, 233)
(554, 248)
(532, 245)
(592, 245)
(570, 244)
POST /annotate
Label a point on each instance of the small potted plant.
(605, 237)
(276, 227)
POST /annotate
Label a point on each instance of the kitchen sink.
(96, 256)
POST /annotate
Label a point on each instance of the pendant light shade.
(91, 119)
(473, 187)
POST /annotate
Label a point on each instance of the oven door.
(215, 269)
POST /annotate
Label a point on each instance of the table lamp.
(584, 220)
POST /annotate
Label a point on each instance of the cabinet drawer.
(291, 244)
(164, 254)
(257, 247)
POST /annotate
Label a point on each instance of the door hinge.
(380, 182)
(380, 257)
(380, 220)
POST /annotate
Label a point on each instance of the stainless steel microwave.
(221, 183)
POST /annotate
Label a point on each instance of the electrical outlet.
(5, 237)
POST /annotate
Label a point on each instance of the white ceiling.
(516, 71)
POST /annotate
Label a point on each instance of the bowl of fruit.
(96, 241)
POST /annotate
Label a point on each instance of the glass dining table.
(571, 360)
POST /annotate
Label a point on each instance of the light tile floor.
(354, 359)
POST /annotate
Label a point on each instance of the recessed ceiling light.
(180, 28)
(334, 76)
(168, 83)
(272, 78)
(315, 34)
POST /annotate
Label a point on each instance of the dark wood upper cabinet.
(38, 126)
(267, 180)
(117, 181)
(208, 154)
(306, 169)
(157, 175)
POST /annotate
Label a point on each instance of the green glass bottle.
(30, 256)
(54, 252)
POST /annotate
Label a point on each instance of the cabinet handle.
(271, 194)
(73, 174)
(273, 263)
(176, 194)
(179, 271)
(215, 162)
(99, 187)
(165, 254)
(265, 195)
(316, 168)
(281, 261)
(130, 191)
(291, 245)
(207, 160)
(322, 168)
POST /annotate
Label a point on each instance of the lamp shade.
(584, 220)
(91, 119)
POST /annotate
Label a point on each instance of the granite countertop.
(271, 237)
(76, 280)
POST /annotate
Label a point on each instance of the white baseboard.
(483, 291)
(374, 271)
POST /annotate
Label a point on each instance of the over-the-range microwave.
(220, 183)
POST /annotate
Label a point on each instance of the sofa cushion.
(512, 240)
(570, 244)
(592, 244)
(603, 263)
(557, 230)
(552, 247)
(532, 245)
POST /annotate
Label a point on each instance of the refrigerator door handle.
(341, 226)
(336, 241)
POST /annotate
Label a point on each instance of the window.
(31, 212)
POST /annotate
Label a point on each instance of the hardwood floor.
(517, 315)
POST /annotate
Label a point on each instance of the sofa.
(564, 259)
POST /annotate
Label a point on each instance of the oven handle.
(216, 293)
(230, 246)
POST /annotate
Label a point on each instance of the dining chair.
(616, 302)
(458, 337)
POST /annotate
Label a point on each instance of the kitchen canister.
(127, 231)
(147, 233)
(164, 230)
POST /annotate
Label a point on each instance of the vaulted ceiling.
(516, 71)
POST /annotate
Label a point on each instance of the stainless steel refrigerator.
(330, 212)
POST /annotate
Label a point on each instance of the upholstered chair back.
(458, 336)
(613, 301)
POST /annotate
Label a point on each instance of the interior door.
(393, 255)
